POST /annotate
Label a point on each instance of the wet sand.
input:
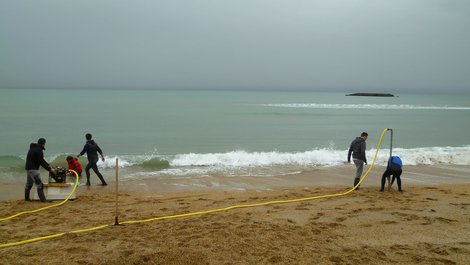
(429, 223)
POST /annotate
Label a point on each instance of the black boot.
(26, 196)
(41, 195)
(356, 180)
(102, 180)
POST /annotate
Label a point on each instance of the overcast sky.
(343, 45)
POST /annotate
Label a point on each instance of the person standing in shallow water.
(358, 151)
(92, 149)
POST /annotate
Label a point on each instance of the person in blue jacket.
(92, 149)
(394, 169)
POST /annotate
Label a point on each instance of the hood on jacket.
(35, 145)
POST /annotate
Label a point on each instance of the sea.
(192, 134)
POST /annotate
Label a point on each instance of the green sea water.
(175, 132)
(173, 122)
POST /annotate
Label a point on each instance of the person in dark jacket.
(358, 151)
(394, 169)
(34, 159)
(92, 149)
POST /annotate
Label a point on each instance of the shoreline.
(339, 176)
(426, 224)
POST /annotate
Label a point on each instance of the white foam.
(319, 157)
(435, 155)
(322, 157)
(258, 164)
(110, 162)
(364, 106)
(126, 160)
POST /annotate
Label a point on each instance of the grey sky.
(345, 45)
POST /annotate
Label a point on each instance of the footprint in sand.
(317, 216)
(336, 260)
(375, 209)
(445, 191)
(408, 217)
(356, 211)
(334, 225)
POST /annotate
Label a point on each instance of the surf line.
(239, 206)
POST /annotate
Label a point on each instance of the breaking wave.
(364, 106)
(243, 162)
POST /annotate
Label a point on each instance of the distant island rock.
(371, 95)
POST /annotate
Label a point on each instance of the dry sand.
(429, 223)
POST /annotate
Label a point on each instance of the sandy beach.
(428, 223)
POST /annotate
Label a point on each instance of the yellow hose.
(208, 211)
(47, 207)
(270, 202)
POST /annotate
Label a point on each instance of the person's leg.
(359, 168)
(97, 172)
(382, 184)
(39, 186)
(385, 176)
(87, 172)
(28, 186)
(398, 176)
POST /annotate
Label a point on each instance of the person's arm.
(85, 148)
(363, 152)
(43, 162)
(350, 152)
(100, 152)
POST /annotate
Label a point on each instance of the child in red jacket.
(74, 165)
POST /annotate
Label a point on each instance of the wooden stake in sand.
(116, 219)
(391, 147)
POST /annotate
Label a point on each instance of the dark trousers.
(395, 173)
(33, 177)
(92, 165)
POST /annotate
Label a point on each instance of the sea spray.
(242, 162)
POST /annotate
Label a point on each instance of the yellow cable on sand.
(270, 202)
(47, 207)
(32, 240)
(208, 211)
